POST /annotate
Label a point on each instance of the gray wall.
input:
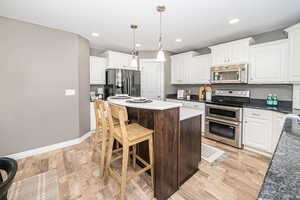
(37, 64)
(284, 92)
(84, 85)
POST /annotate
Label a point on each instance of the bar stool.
(100, 136)
(128, 136)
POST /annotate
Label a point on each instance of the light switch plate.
(69, 92)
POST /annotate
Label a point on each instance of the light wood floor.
(237, 177)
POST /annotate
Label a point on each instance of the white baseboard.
(258, 151)
(52, 147)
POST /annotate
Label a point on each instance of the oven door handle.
(222, 107)
(223, 121)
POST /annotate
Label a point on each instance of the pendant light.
(160, 54)
(134, 53)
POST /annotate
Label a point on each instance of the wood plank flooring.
(237, 177)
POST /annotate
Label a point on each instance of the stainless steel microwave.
(229, 74)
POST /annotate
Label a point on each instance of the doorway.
(152, 79)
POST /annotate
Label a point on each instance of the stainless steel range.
(224, 116)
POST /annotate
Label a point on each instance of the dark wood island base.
(176, 153)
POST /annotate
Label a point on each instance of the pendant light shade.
(160, 54)
(134, 53)
(134, 61)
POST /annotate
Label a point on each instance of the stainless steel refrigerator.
(122, 81)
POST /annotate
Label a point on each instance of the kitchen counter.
(187, 113)
(285, 107)
(282, 180)
(154, 105)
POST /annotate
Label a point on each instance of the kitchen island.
(176, 152)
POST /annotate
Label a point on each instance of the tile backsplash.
(284, 91)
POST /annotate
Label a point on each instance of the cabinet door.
(257, 133)
(118, 60)
(177, 69)
(219, 55)
(294, 59)
(269, 63)
(97, 70)
(296, 97)
(239, 53)
(200, 71)
(277, 123)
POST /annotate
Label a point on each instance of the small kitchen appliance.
(180, 94)
(229, 74)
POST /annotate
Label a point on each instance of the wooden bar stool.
(101, 135)
(128, 136)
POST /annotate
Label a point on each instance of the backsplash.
(284, 92)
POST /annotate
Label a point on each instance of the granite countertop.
(187, 113)
(154, 105)
(285, 107)
(282, 180)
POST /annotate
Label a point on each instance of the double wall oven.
(224, 117)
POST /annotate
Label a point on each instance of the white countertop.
(186, 113)
(154, 105)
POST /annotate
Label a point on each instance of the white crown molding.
(292, 28)
(49, 148)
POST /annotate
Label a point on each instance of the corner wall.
(37, 64)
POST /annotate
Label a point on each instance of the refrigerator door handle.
(129, 80)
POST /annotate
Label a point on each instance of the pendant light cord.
(160, 31)
(134, 41)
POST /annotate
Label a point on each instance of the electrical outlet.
(70, 92)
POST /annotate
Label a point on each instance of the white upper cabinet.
(118, 60)
(97, 70)
(200, 69)
(269, 62)
(294, 52)
(181, 67)
(177, 68)
(231, 53)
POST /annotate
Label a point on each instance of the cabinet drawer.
(257, 114)
(195, 105)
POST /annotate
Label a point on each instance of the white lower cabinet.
(92, 117)
(296, 97)
(262, 129)
(278, 122)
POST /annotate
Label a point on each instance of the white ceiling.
(199, 23)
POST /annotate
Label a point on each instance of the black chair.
(10, 166)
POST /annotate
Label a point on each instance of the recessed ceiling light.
(138, 45)
(178, 40)
(234, 21)
(95, 34)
